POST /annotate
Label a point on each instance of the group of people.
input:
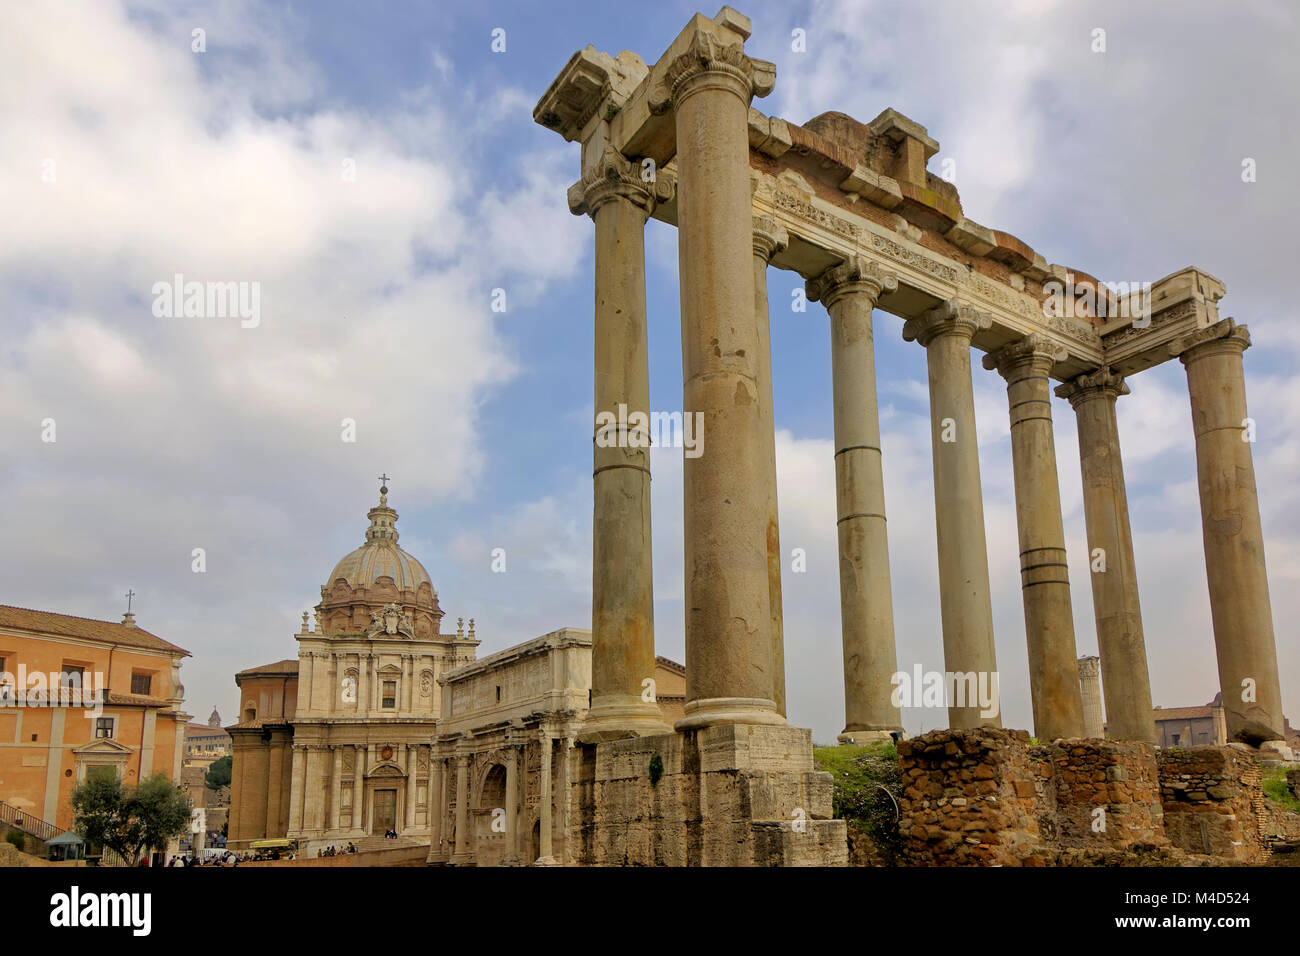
(332, 850)
(225, 859)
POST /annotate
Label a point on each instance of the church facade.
(384, 724)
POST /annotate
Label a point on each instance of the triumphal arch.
(852, 208)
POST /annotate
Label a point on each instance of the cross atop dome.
(383, 491)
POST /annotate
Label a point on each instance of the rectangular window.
(103, 726)
(390, 694)
(106, 773)
(140, 684)
(70, 675)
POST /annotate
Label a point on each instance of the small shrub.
(14, 838)
(867, 784)
(656, 769)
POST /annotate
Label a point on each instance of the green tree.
(131, 822)
(218, 774)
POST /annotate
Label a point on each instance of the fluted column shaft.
(1125, 681)
(769, 238)
(729, 670)
(1234, 540)
(1090, 692)
(1044, 575)
(622, 609)
(849, 291)
(965, 604)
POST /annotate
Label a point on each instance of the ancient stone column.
(1090, 693)
(729, 672)
(1230, 525)
(622, 612)
(336, 786)
(437, 805)
(412, 781)
(1110, 545)
(849, 292)
(769, 238)
(512, 803)
(965, 605)
(1044, 576)
(462, 854)
(358, 782)
(545, 799)
(566, 795)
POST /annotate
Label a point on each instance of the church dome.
(380, 557)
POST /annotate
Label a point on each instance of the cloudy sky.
(375, 168)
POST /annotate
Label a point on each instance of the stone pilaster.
(336, 787)
(1044, 576)
(613, 193)
(1234, 541)
(1090, 692)
(729, 671)
(849, 292)
(358, 791)
(306, 679)
(412, 783)
(965, 605)
(297, 783)
(769, 238)
(275, 825)
(1125, 681)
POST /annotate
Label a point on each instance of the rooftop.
(85, 628)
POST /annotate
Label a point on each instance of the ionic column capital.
(711, 64)
(1032, 355)
(770, 237)
(853, 276)
(1102, 383)
(1217, 339)
(948, 318)
(613, 176)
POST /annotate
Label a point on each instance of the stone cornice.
(854, 276)
(592, 84)
(1102, 383)
(948, 318)
(1223, 336)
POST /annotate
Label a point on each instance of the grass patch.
(1274, 783)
